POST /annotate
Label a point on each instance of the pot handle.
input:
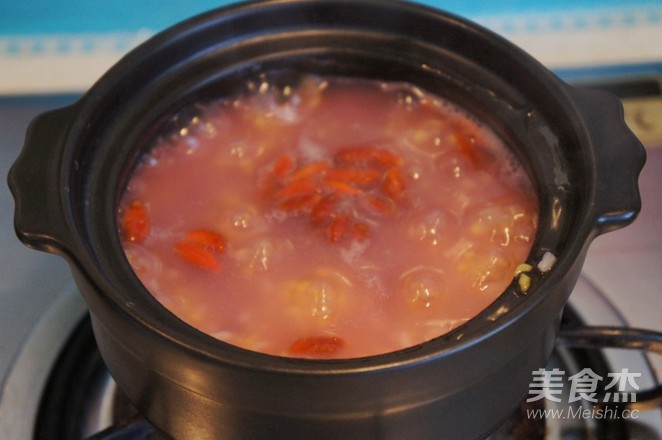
(35, 181)
(596, 337)
(619, 158)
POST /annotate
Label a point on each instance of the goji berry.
(355, 176)
(299, 204)
(197, 255)
(206, 238)
(135, 222)
(283, 166)
(297, 188)
(338, 228)
(326, 191)
(379, 205)
(315, 168)
(393, 184)
(340, 187)
(325, 210)
(360, 231)
(317, 346)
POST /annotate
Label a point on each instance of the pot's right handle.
(595, 337)
(619, 158)
(35, 180)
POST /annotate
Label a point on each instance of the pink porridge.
(334, 218)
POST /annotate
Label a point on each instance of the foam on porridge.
(331, 218)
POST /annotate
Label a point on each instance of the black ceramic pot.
(67, 182)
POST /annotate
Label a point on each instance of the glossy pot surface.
(68, 180)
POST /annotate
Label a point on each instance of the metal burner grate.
(81, 401)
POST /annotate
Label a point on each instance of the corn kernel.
(524, 282)
(524, 267)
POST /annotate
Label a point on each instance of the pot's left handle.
(36, 183)
(619, 158)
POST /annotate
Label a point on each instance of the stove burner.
(82, 401)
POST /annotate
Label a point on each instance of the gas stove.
(53, 383)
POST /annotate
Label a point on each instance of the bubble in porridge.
(422, 287)
(320, 296)
(437, 227)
